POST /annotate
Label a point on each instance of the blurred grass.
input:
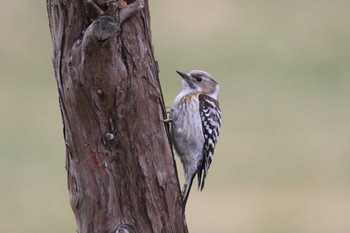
(283, 159)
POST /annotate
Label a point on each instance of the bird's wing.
(211, 121)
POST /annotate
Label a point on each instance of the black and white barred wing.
(211, 121)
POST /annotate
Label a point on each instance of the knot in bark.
(110, 137)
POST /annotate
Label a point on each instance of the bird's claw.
(169, 120)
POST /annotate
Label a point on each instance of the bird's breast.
(187, 130)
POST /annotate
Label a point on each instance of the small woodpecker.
(195, 125)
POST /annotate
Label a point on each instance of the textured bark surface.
(121, 172)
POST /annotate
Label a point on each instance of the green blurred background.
(282, 164)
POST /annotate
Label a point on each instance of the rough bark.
(121, 172)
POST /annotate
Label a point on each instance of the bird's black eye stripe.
(199, 79)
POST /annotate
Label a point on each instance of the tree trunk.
(121, 172)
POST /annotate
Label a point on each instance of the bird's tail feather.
(201, 177)
(186, 191)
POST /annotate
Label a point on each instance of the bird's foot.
(168, 120)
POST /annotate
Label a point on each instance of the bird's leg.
(168, 119)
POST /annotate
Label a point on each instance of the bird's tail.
(186, 190)
(201, 179)
(202, 173)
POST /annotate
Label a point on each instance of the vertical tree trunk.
(121, 172)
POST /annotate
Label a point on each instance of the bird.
(195, 121)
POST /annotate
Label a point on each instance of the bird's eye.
(199, 79)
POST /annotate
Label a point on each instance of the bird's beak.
(183, 75)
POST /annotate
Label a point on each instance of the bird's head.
(200, 81)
